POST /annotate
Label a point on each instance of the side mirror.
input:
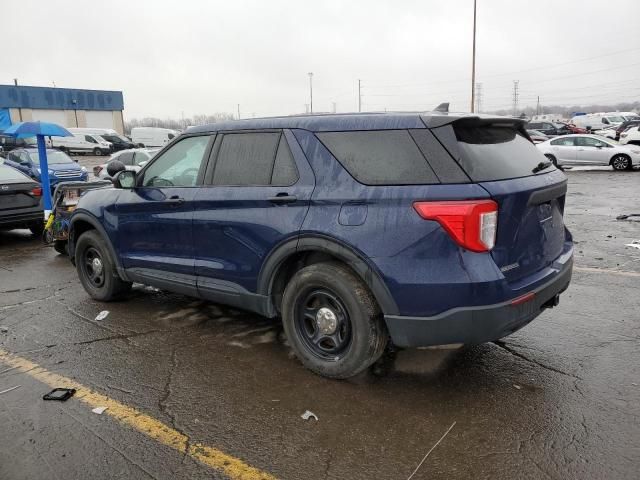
(115, 166)
(124, 179)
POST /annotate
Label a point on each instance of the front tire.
(621, 162)
(97, 152)
(96, 268)
(332, 321)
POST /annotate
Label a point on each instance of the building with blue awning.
(68, 107)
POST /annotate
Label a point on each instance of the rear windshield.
(497, 152)
(380, 157)
(7, 173)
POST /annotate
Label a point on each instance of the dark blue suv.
(356, 230)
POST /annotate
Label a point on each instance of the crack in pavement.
(515, 353)
(164, 408)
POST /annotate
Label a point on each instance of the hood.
(65, 166)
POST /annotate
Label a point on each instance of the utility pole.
(238, 111)
(311, 91)
(359, 96)
(538, 106)
(478, 97)
(473, 60)
(15, 82)
(515, 97)
(334, 107)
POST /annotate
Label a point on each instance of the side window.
(563, 142)
(382, 157)
(90, 139)
(140, 157)
(24, 156)
(285, 172)
(13, 157)
(179, 166)
(126, 158)
(246, 159)
(589, 142)
(170, 136)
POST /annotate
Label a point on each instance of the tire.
(355, 334)
(97, 152)
(103, 285)
(621, 162)
(36, 228)
(553, 160)
(60, 246)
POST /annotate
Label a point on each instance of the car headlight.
(51, 172)
(84, 169)
(38, 170)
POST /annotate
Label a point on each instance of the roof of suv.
(346, 121)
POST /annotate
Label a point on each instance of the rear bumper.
(22, 219)
(474, 325)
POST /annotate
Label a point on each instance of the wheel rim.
(97, 152)
(323, 324)
(620, 163)
(93, 267)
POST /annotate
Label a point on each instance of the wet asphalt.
(559, 399)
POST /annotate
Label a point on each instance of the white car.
(133, 159)
(590, 150)
(608, 132)
(631, 136)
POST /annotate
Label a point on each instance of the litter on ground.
(99, 410)
(102, 315)
(307, 415)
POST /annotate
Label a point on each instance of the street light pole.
(473, 61)
(311, 91)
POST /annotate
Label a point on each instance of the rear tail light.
(36, 192)
(472, 224)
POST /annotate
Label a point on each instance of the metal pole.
(359, 96)
(473, 61)
(311, 91)
(238, 111)
(44, 176)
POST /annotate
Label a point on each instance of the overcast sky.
(208, 56)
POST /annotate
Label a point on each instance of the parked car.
(549, 128)
(537, 136)
(608, 132)
(631, 136)
(574, 129)
(629, 115)
(589, 150)
(352, 228)
(152, 136)
(8, 143)
(625, 126)
(118, 142)
(597, 121)
(133, 159)
(82, 143)
(20, 201)
(61, 167)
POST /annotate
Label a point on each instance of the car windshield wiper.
(541, 166)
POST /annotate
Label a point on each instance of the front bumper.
(474, 325)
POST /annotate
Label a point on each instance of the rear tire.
(60, 246)
(37, 228)
(97, 269)
(621, 162)
(332, 321)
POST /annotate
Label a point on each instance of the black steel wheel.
(97, 152)
(332, 321)
(96, 268)
(323, 323)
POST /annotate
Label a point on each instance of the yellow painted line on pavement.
(233, 467)
(611, 271)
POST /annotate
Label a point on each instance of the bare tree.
(176, 124)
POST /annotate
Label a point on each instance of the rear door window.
(490, 151)
(563, 142)
(246, 159)
(380, 157)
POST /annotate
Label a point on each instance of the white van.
(152, 136)
(82, 143)
(597, 121)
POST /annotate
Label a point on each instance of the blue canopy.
(31, 129)
(40, 130)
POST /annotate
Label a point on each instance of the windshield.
(615, 119)
(54, 157)
(112, 138)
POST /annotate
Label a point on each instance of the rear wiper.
(541, 166)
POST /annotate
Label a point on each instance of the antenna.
(443, 107)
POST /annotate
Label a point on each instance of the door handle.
(283, 198)
(175, 200)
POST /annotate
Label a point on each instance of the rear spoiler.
(439, 118)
